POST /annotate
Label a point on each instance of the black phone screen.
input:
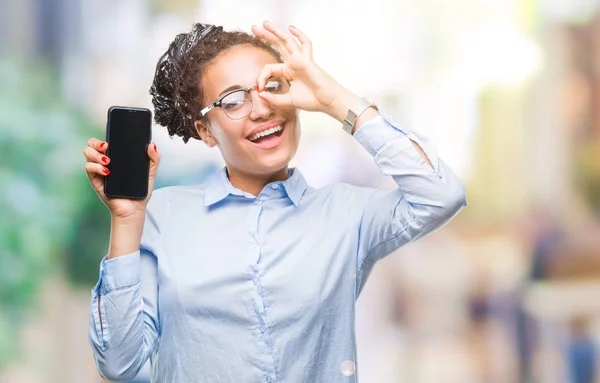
(128, 134)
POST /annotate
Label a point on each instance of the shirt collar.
(295, 185)
(220, 188)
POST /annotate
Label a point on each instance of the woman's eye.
(273, 86)
(233, 101)
(232, 105)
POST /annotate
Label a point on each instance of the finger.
(276, 99)
(289, 41)
(305, 42)
(268, 71)
(271, 38)
(100, 146)
(92, 168)
(154, 156)
(92, 155)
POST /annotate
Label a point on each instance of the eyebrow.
(230, 88)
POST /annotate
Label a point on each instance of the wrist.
(131, 221)
(125, 235)
(342, 102)
(129, 217)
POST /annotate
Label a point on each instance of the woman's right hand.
(95, 167)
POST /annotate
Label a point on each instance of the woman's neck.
(254, 184)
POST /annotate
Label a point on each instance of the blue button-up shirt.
(231, 287)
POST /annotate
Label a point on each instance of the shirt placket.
(261, 332)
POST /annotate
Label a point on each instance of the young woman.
(253, 276)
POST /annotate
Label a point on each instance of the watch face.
(347, 126)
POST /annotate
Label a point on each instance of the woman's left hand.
(311, 88)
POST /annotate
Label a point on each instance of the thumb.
(276, 99)
(154, 156)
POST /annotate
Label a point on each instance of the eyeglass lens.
(238, 104)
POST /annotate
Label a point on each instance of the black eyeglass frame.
(217, 103)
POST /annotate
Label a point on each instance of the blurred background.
(509, 90)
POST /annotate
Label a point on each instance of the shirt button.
(255, 280)
(347, 368)
(257, 201)
(268, 379)
(275, 186)
(262, 329)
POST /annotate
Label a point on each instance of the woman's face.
(243, 151)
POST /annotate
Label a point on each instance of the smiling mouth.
(275, 131)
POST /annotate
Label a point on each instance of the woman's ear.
(205, 133)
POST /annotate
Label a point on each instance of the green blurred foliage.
(50, 217)
(587, 172)
(158, 6)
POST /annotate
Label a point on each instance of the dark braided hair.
(177, 87)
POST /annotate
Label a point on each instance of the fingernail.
(104, 159)
(106, 171)
(293, 27)
(102, 145)
(155, 148)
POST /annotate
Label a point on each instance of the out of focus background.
(509, 90)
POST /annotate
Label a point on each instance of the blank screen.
(128, 136)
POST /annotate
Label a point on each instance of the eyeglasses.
(237, 104)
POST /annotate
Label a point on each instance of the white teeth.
(272, 130)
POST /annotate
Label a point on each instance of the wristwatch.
(354, 113)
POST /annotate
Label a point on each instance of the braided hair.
(177, 86)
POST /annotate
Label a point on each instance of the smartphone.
(128, 134)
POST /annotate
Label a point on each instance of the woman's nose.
(260, 108)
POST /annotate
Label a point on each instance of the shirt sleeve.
(123, 333)
(426, 198)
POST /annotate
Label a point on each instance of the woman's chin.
(275, 161)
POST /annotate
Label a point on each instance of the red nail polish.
(155, 148)
(106, 171)
(104, 159)
(102, 145)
